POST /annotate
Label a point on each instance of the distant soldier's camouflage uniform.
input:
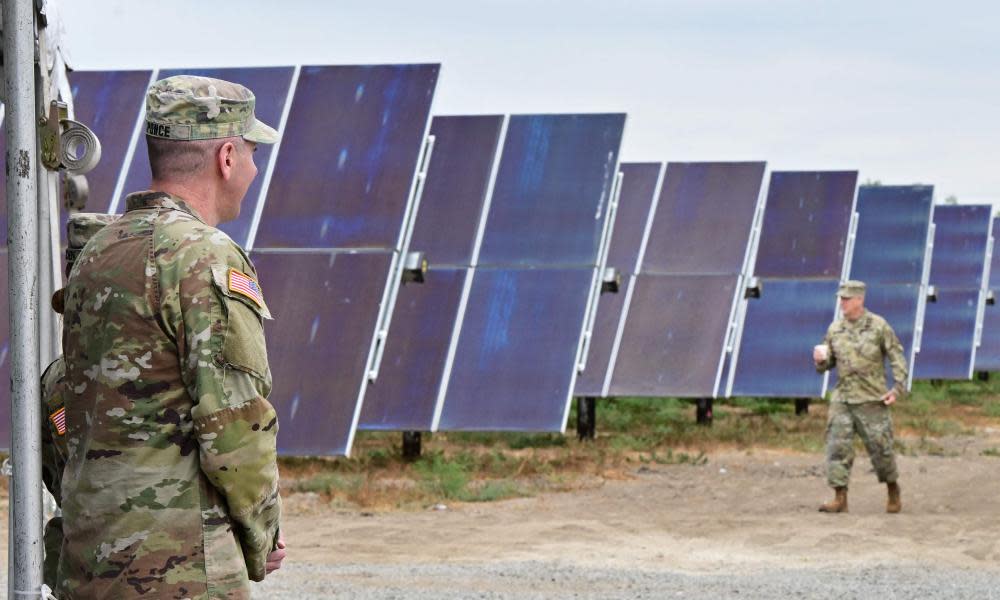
(171, 483)
(80, 228)
(858, 350)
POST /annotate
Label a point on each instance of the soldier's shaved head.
(180, 160)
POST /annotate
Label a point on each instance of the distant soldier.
(81, 227)
(858, 345)
(171, 483)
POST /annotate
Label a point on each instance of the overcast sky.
(906, 92)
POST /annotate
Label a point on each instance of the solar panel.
(536, 276)
(961, 234)
(704, 217)
(806, 224)
(361, 127)
(458, 179)
(988, 354)
(325, 307)
(110, 103)
(781, 327)
(958, 269)
(271, 86)
(514, 365)
(405, 394)
(804, 243)
(891, 240)
(675, 336)
(946, 351)
(891, 255)
(552, 190)
(680, 308)
(640, 183)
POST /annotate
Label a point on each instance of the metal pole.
(25, 514)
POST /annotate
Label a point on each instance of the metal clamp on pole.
(611, 282)
(754, 288)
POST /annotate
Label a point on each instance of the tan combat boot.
(838, 504)
(895, 503)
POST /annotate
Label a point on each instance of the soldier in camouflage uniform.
(858, 345)
(81, 227)
(171, 484)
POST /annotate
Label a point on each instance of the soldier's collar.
(150, 199)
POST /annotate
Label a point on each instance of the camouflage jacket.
(858, 349)
(171, 483)
(53, 460)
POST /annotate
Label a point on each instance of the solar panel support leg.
(586, 417)
(703, 413)
(801, 406)
(411, 445)
(983, 375)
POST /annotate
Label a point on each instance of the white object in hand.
(821, 352)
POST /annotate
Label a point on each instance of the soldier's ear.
(227, 159)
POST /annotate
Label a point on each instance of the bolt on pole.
(25, 514)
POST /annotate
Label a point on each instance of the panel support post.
(411, 445)
(703, 414)
(983, 375)
(801, 406)
(25, 513)
(586, 417)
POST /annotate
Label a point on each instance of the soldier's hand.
(276, 556)
(889, 398)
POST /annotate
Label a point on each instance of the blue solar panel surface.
(639, 184)
(590, 382)
(891, 240)
(704, 217)
(451, 205)
(405, 394)
(779, 332)
(406, 391)
(345, 170)
(961, 233)
(270, 86)
(109, 102)
(806, 223)
(522, 326)
(325, 308)
(674, 336)
(552, 189)
(946, 350)
(988, 353)
(516, 352)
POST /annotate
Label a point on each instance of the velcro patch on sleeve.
(58, 419)
(244, 285)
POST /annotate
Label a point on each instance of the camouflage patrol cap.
(190, 107)
(851, 289)
(80, 228)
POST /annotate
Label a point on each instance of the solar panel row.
(988, 354)
(491, 339)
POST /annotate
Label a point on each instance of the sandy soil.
(743, 514)
(739, 511)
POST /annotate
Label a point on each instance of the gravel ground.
(538, 580)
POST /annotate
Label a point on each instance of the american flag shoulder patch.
(58, 419)
(247, 286)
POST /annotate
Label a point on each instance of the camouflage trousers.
(872, 422)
